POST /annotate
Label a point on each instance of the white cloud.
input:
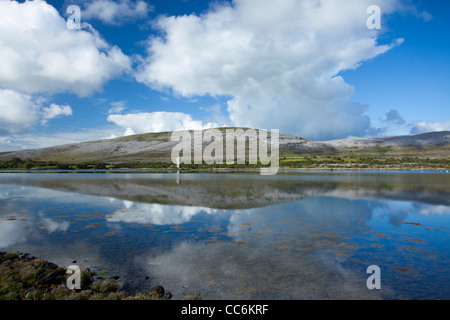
(157, 122)
(117, 107)
(278, 60)
(55, 111)
(18, 112)
(216, 115)
(411, 9)
(424, 126)
(38, 53)
(116, 12)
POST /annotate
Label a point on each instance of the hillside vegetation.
(153, 151)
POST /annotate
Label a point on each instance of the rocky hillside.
(157, 147)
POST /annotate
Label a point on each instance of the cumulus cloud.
(157, 122)
(38, 53)
(39, 56)
(394, 117)
(279, 61)
(18, 112)
(55, 111)
(116, 12)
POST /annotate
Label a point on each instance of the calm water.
(243, 236)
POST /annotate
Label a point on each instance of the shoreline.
(25, 277)
(236, 170)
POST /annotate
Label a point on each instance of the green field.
(349, 162)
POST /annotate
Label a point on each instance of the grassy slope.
(157, 147)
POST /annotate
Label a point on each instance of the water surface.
(239, 236)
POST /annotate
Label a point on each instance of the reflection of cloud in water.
(127, 204)
(247, 272)
(312, 215)
(11, 232)
(398, 211)
(271, 253)
(18, 228)
(283, 252)
(54, 226)
(276, 252)
(156, 214)
(4, 194)
(429, 210)
(15, 230)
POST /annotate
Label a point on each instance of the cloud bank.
(425, 126)
(39, 55)
(278, 61)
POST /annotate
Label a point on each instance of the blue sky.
(412, 78)
(140, 66)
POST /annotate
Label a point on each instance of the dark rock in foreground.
(27, 278)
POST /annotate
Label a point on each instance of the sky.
(311, 68)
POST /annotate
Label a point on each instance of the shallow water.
(239, 236)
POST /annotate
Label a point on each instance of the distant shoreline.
(233, 170)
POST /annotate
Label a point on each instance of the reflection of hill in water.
(242, 191)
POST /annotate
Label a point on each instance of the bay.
(297, 236)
